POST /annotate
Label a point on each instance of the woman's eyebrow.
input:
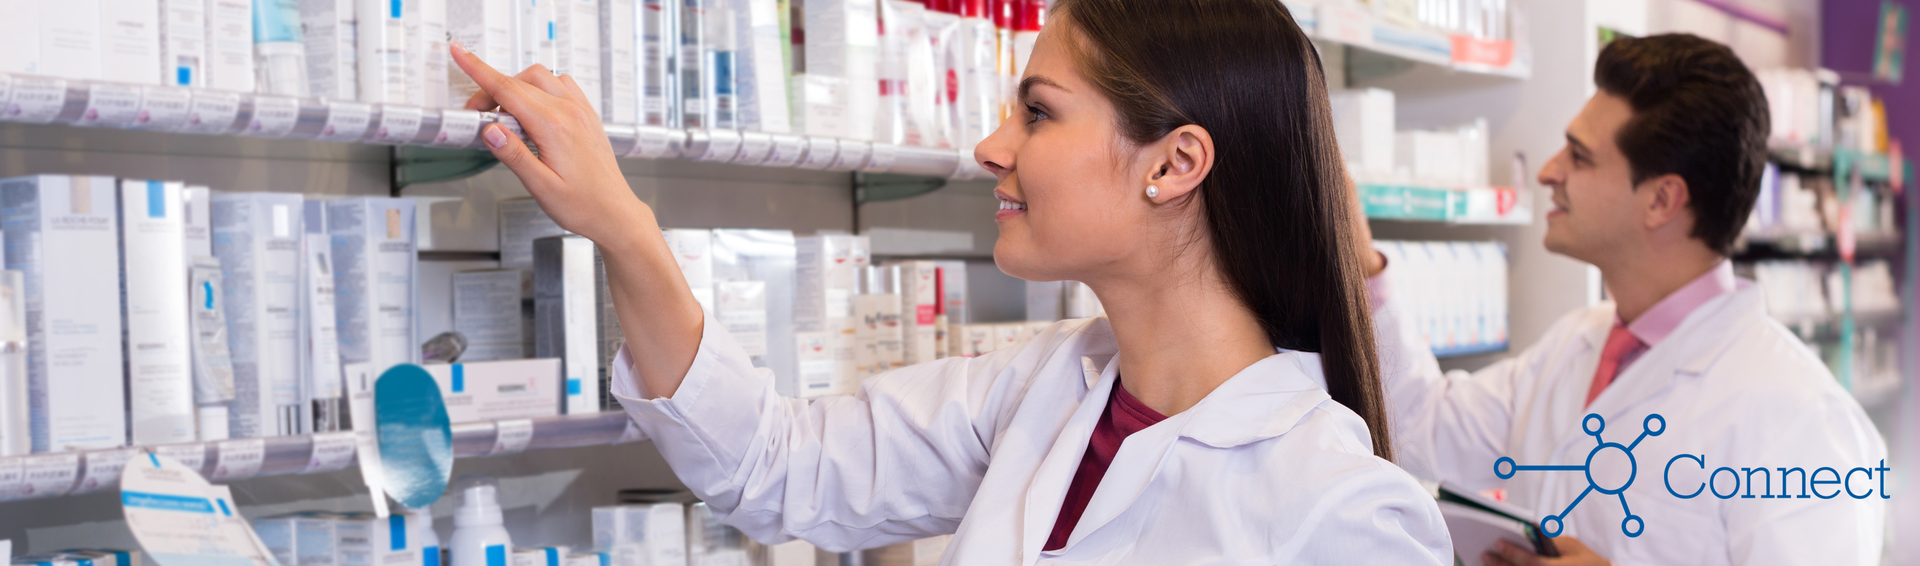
(1027, 84)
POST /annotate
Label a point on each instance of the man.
(1659, 173)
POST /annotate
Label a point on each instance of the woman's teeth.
(1010, 205)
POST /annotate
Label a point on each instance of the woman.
(1176, 157)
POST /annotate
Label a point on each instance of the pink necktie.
(1619, 344)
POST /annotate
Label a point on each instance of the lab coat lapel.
(1048, 489)
(1700, 339)
(1262, 401)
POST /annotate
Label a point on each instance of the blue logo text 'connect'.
(1552, 525)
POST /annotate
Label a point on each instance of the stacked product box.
(257, 237)
(332, 48)
(322, 389)
(183, 43)
(753, 279)
(842, 43)
(152, 289)
(566, 317)
(375, 274)
(1462, 309)
(639, 535)
(489, 391)
(485, 28)
(62, 236)
(823, 320)
(918, 301)
(230, 45)
(487, 310)
(576, 39)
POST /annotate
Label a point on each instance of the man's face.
(1596, 211)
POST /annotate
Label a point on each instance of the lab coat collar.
(1263, 401)
(1693, 347)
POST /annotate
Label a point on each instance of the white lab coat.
(1265, 470)
(1735, 388)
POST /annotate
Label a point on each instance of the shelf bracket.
(415, 165)
(883, 187)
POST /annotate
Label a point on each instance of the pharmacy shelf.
(1815, 245)
(101, 104)
(1458, 351)
(72, 473)
(1478, 205)
(1354, 26)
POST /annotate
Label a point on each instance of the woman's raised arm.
(577, 181)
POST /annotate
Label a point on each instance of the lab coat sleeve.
(899, 461)
(1447, 427)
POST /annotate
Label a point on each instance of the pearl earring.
(1153, 191)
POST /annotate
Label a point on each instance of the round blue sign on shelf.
(416, 439)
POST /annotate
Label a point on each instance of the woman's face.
(1072, 189)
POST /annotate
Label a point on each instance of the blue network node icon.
(1593, 424)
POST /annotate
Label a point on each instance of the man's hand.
(1572, 553)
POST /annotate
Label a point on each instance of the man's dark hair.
(1698, 113)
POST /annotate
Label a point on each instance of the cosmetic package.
(16, 423)
(742, 258)
(183, 43)
(1028, 17)
(1363, 124)
(576, 45)
(332, 52)
(823, 318)
(507, 389)
(213, 389)
(375, 280)
(486, 29)
(693, 252)
(66, 243)
(279, 49)
(918, 300)
(230, 45)
(900, 27)
(130, 41)
(487, 310)
(565, 312)
(382, 54)
(70, 39)
(609, 337)
(693, 64)
(22, 28)
(980, 85)
(760, 66)
(619, 66)
(258, 238)
(943, 36)
(427, 58)
(657, 23)
(322, 385)
(842, 59)
(156, 347)
(641, 535)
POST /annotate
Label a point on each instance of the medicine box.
(488, 391)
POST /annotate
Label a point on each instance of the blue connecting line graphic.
(1593, 424)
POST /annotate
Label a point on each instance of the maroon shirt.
(1124, 416)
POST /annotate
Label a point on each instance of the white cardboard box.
(917, 302)
(619, 66)
(485, 28)
(153, 288)
(565, 313)
(70, 43)
(332, 53)
(577, 45)
(382, 53)
(489, 391)
(67, 247)
(486, 309)
(22, 29)
(183, 43)
(230, 45)
(375, 280)
(842, 45)
(322, 386)
(639, 535)
(130, 41)
(257, 237)
(761, 66)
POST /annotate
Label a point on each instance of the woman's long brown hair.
(1275, 204)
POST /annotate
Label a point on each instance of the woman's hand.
(575, 178)
(577, 181)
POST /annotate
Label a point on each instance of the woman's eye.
(1034, 114)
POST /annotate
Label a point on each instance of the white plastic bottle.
(424, 537)
(479, 538)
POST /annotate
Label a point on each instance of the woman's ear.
(1178, 163)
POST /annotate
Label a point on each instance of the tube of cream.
(212, 362)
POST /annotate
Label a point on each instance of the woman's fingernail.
(455, 43)
(496, 136)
